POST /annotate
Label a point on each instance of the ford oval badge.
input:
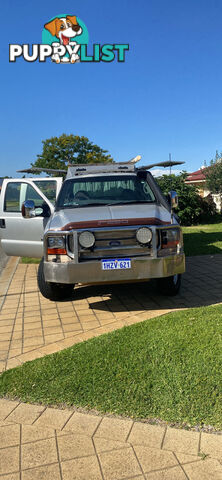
(114, 243)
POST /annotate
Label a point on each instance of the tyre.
(53, 291)
(169, 285)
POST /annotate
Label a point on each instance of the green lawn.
(30, 260)
(167, 368)
(203, 239)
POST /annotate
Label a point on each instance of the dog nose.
(75, 28)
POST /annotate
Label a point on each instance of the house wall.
(204, 192)
(217, 200)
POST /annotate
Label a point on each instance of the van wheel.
(169, 285)
(53, 291)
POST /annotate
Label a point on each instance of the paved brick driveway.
(39, 443)
(31, 326)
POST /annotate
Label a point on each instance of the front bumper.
(142, 268)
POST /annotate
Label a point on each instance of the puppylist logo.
(65, 39)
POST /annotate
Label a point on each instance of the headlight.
(170, 238)
(56, 242)
(144, 235)
(86, 239)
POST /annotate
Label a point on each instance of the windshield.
(104, 190)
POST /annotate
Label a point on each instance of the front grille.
(118, 242)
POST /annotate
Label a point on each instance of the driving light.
(86, 239)
(144, 235)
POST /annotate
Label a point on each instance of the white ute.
(104, 224)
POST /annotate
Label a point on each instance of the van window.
(48, 187)
(31, 194)
(17, 192)
(12, 197)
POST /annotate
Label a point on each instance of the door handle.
(2, 223)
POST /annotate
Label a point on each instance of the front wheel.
(169, 285)
(50, 290)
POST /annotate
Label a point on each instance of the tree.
(214, 177)
(58, 152)
(192, 208)
(216, 159)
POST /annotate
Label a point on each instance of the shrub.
(192, 209)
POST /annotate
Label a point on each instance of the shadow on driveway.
(201, 286)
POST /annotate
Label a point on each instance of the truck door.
(23, 236)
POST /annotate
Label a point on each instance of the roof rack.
(74, 170)
(122, 167)
(39, 170)
(87, 169)
(168, 163)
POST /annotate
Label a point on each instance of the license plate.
(117, 264)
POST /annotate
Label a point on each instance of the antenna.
(170, 162)
(171, 209)
(171, 181)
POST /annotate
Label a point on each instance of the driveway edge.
(6, 277)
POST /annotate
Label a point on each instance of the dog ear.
(52, 26)
(72, 19)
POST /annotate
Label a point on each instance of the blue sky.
(166, 97)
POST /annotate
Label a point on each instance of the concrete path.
(39, 443)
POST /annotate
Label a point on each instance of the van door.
(24, 236)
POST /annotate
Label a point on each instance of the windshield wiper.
(98, 204)
(130, 201)
(94, 204)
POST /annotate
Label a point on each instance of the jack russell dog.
(65, 29)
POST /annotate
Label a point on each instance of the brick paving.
(38, 443)
(31, 326)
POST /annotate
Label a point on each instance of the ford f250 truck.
(103, 224)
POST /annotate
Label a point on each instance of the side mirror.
(28, 209)
(173, 199)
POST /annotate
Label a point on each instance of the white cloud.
(158, 172)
